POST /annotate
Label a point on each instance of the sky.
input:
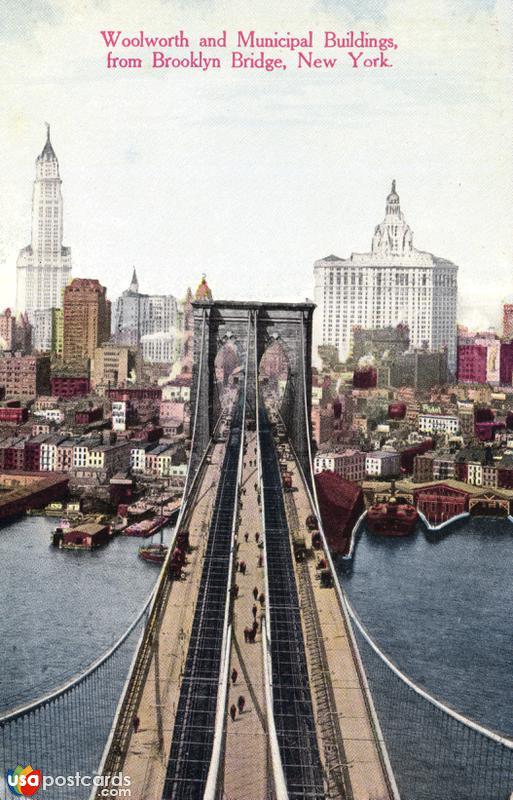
(250, 176)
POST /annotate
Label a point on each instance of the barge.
(146, 527)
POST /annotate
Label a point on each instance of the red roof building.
(341, 504)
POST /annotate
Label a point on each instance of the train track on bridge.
(195, 721)
(292, 701)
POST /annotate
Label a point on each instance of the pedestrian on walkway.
(242, 567)
(137, 722)
(234, 676)
(257, 537)
(251, 635)
(254, 609)
(235, 590)
(241, 702)
(260, 560)
(246, 634)
(246, 537)
(255, 627)
(233, 711)
(262, 598)
(237, 565)
(255, 592)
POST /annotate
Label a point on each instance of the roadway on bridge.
(292, 702)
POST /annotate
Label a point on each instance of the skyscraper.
(148, 320)
(86, 319)
(394, 283)
(44, 266)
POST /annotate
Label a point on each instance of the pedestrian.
(234, 676)
(254, 609)
(255, 627)
(235, 590)
(241, 702)
(242, 567)
(260, 560)
(246, 634)
(251, 635)
(137, 722)
(255, 592)
(246, 537)
(233, 711)
(262, 598)
(237, 565)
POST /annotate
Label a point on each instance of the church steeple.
(394, 236)
(134, 286)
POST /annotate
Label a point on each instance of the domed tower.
(203, 293)
(394, 236)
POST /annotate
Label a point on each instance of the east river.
(440, 606)
(62, 609)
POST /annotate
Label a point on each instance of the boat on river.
(155, 553)
(396, 517)
(146, 527)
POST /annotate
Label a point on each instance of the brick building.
(24, 376)
(86, 312)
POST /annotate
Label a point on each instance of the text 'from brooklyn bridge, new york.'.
(248, 50)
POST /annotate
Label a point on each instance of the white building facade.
(438, 423)
(394, 283)
(382, 464)
(43, 267)
(350, 464)
(153, 321)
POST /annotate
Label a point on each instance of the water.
(60, 609)
(440, 605)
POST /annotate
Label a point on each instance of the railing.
(438, 753)
(64, 731)
(120, 732)
(278, 774)
(432, 752)
(381, 745)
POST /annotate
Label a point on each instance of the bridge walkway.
(148, 749)
(358, 749)
(247, 769)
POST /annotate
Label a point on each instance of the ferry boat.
(393, 518)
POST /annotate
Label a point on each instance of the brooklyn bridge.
(247, 675)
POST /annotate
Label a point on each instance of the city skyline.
(48, 155)
(273, 170)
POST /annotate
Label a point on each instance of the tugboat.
(396, 517)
